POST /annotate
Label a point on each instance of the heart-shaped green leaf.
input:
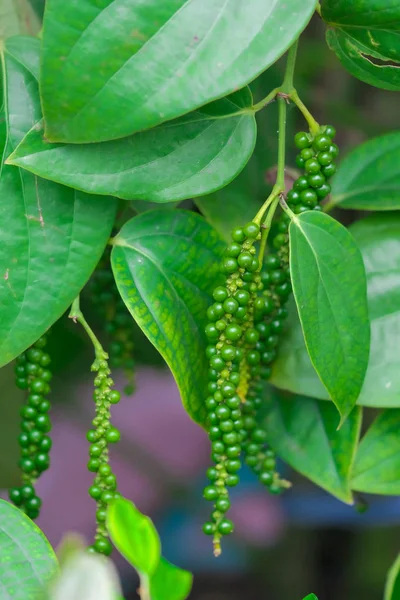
(174, 56)
(191, 156)
(51, 236)
(27, 561)
(303, 431)
(378, 238)
(377, 465)
(169, 582)
(365, 36)
(329, 287)
(369, 177)
(392, 587)
(166, 264)
(134, 536)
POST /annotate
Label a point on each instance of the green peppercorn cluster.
(245, 323)
(104, 488)
(32, 374)
(316, 157)
(118, 323)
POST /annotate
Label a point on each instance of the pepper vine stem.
(77, 316)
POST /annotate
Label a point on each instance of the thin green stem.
(312, 123)
(287, 85)
(267, 100)
(274, 194)
(144, 590)
(280, 178)
(77, 316)
(318, 8)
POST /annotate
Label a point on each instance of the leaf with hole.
(329, 287)
(377, 464)
(166, 264)
(365, 37)
(303, 432)
(378, 238)
(369, 177)
(134, 536)
(51, 236)
(27, 561)
(194, 155)
(176, 55)
(170, 582)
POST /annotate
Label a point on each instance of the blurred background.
(283, 548)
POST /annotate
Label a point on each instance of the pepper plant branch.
(77, 316)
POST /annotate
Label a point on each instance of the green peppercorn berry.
(95, 450)
(322, 142)
(114, 397)
(302, 140)
(24, 440)
(41, 342)
(35, 436)
(15, 496)
(103, 546)
(269, 464)
(251, 230)
(279, 240)
(217, 363)
(107, 497)
(301, 183)
(223, 412)
(27, 465)
(228, 353)
(45, 359)
(22, 383)
(210, 493)
(230, 439)
(324, 158)
(233, 249)
(330, 131)
(101, 515)
(233, 465)
(33, 504)
(284, 289)
(43, 423)
(34, 355)
(236, 414)
(46, 375)
(28, 413)
(329, 170)
(35, 400)
(233, 451)
(334, 150)
(266, 477)
(111, 482)
(220, 294)
(293, 197)
(245, 259)
(312, 166)
(211, 404)
(226, 426)
(258, 435)
(275, 489)
(45, 444)
(42, 461)
(276, 326)
(253, 357)
(21, 359)
(225, 527)
(20, 370)
(309, 198)
(92, 436)
(211, 331)
(307, 153)
(323, 191)
(93, 465)
(251, 461)
(238, 235)
(218, 447)
(38, 386)
(233, 402)
(113, 435)
(233, 332)
(272, 262)
(209, 528)
(44, 406)
(316, 180)
(222, 504)
(228, 390)
(211, 351)
(230, 306)
(232, 480)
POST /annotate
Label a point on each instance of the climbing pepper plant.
(279, 334)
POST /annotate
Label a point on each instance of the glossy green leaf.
(166, 264)
(90, 577)
(365, 36)
(27, 561)
(392, 587)
(51, 236)
(378, 238)
(377, 465)
(303, 432)
(329, 287)
(169, 582)
(17, 17)
(134, 536)
(369, 177)
(191, 156)
(176, 55)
